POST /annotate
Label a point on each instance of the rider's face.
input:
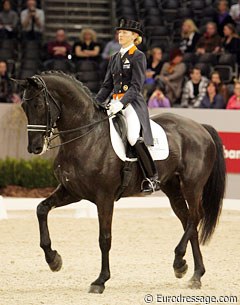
(126, 37)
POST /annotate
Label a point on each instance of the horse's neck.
(77, 107)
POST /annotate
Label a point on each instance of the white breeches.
(133, 124)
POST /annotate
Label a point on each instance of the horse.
(86, 167)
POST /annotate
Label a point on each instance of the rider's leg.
(147, 164)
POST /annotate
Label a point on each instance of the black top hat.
(130, 25)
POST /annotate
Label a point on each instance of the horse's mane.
(79, 84)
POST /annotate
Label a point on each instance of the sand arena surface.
(141, 259)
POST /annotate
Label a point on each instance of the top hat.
(130, 25)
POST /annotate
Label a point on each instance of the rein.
(50, 135)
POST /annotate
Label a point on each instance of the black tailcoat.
(127, 75)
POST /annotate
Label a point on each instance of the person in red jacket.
(234, 101)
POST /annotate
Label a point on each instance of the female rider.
(124, 81)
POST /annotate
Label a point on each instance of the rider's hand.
(115, 107)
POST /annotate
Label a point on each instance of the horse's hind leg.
(105, 213)
(59, 198)
(173, 191)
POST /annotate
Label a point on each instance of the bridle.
(48, 129)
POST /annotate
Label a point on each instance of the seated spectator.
(111, 48)
(8, 21)
(59, 48)
(231, 41)
(172, 75)
(235, 14)
(212, 99)
(158, 98)
(32, 20)
(194, 89)
(87, 47)
(234, 101)
(189, 36)
(6, 86)
(210, 42)
(154, 64)
(222, 88)
(222, 16)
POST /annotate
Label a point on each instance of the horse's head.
(39, 113)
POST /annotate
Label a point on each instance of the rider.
(124, 81)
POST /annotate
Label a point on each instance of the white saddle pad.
(160, 150)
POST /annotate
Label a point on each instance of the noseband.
(49, 128)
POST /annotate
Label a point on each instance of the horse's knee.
(42, 209)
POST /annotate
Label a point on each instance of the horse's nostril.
(37, 150)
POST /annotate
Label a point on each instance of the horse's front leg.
(59, 198)
(105, 213)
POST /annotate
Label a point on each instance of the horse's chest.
(66, 175)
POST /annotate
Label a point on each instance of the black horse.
(193, 176)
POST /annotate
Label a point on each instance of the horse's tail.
(213, 191)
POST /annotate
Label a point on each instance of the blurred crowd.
(199, 70)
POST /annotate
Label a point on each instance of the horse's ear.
(34, 82)
(21, 82)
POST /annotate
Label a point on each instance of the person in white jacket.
(194, 89)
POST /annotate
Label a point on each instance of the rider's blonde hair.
(138, 40)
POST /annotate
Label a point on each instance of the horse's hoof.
(96, 289)
(179, 273)
(56, 264)
(194, 284)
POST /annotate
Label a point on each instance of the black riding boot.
(150, 183)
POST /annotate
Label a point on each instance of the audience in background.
(158, 98)
(212, 99)
(235, 14)
(222, 16)
(59, 48)
(87, 48)
(32, 20)
(189, 36)
(234, 101)
(8, 21)
(222, 88)
(111, 48)
(172, 75)
(210, 42)
(154, 63)
(6, 88)
(231, 41)
(194, 89)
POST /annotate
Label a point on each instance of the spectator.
(235, 14)
(194, 89)
(222, 88)
(231, 41)
(32, 20)
(154, 63)
(87, 46)
(222, 16)
(158, 98)
(189, 36)
(212, 99)
(111, 48)
(234, 101)
(8, 21)
(172, 75)
(6, 88)
(210, 42)
(59, 48)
